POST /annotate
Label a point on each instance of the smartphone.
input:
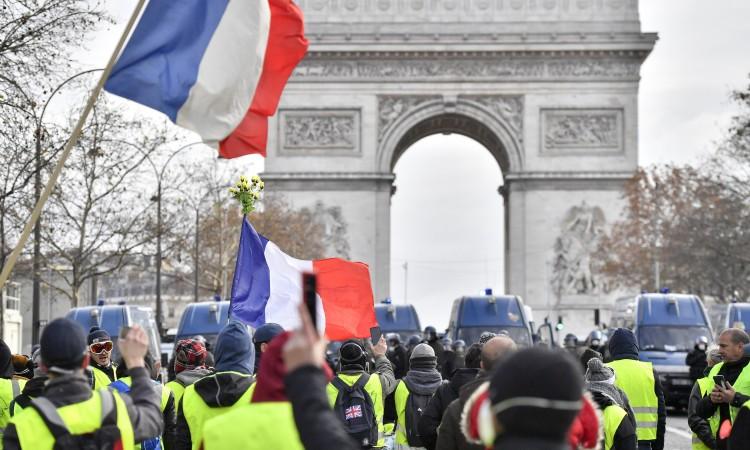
(309, 289)
(124, 331)
(375, 335)
(719, 380)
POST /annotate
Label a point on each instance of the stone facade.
(549, 87)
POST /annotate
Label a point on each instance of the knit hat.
(537, 386)
(352, 356)
(423, 357)
(587, 355)
(266, 332)
(189, 354)
(96, 334)
(63, 345)
(598, 372)
(486, 336)
(6, 361)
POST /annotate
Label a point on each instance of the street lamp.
(36, 289)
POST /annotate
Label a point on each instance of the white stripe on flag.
(286, 288)
(229, 72)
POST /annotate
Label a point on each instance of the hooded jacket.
(622, 345)
(235, 356)
(433, 414)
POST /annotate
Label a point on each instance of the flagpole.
(8, 267)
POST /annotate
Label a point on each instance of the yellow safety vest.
(253, 426)
(101, 379)
(401, 396)
(613, 415)
(636, 378)
(197, 412)
(374, 389)
(80, 418)
(9, 389)
(742, 385)
(713, 422)
(177, 390)
(163, 392)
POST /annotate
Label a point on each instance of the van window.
(739, 317)
(670, 310)
(393, 318)
(470, 335)
(112, 319)
(670, 339)
(478, 312)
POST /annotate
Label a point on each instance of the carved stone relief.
(332, 131)
(582, 131)
(573, 270)
(393, 107)
(324, 69)
(508, 107)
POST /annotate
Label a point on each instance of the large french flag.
(216, 67)
(267, 288)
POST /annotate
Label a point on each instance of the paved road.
(678, 433)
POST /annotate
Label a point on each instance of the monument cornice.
(411, 54)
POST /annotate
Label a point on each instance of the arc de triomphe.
(549, 87)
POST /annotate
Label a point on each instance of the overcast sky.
(453, 247)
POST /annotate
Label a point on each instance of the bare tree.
(97, 214)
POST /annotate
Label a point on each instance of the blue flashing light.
(664, 290)
(100, 302)
(122, 302)
(386, 301)
(217, 297)
(488, 291)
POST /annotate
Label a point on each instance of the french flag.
(267, 288)
(216, 67)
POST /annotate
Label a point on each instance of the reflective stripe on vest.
(374, 389)
(9, 389)
(613, 415)
(197, 412)
(177, 390)
(741, 385)
(101, 379)
(80, 418)
(263, 426)
(401, 396)
(636, 378)
(713, 422)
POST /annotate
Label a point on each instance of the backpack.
(416, 404)
(107, 437)
(355, 410)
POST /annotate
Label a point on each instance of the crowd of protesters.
(276, 389)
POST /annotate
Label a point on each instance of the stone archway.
(549, 87)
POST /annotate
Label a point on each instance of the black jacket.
(399, 360)
(696, 360)
(740, 437)
(34, 388)
(318, 426)
(698, 424)
(622, 345)
(433, 414)
(217, 390)
(449, 435)
(706, 408)
(449, 364)
(625, 437)
(142, 403)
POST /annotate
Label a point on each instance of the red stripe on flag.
(346, 292)
(285, 49)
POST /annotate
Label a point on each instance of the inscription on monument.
(329, 132)
(591, 131)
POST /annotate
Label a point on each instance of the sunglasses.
(101, 347)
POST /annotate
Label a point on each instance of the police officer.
(211, 396)
(100, 350)
(64, 358)
(431, 338)
(353, 364)
(639, 381)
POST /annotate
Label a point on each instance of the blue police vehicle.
(666, 326)
(732, 315)
(471, 316)
(400, 319)
(203, 319)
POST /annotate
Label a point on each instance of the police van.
(666, 326)
(732, 315)
(471, 316)
(203, 319)
(400, 319)
(112, 318)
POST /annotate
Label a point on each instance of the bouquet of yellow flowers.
(247, 192)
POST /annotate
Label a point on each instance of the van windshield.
(670, 339)
(739, 317)
(470, 335)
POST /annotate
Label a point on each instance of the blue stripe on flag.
(160, 63)
(251, 285)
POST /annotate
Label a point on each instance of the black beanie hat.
(537, 392)
(63, 345)
(352, 355)
(96, 334)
